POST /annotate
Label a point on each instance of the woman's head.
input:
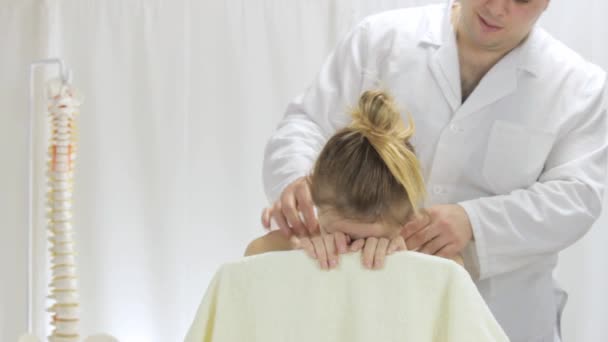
(367, 179)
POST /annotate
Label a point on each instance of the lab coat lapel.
(445, 69)
(498, 83)
(444, 61)
(502, 79)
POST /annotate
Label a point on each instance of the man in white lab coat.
(511, 130)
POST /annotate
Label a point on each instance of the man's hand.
(444, 231)
(285, 212)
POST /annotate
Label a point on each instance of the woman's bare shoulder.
(273, 241)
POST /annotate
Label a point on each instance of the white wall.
(180, 98)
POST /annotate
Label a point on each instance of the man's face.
(498, 25)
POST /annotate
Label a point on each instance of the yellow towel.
(284, 296)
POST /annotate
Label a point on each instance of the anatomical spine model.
(63, 107)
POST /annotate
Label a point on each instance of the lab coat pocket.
(515, 156)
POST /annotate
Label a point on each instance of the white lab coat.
(525, 154)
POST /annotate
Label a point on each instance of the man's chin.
(489, 44)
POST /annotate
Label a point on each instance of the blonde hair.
(368, 171)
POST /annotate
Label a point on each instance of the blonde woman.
(366, 185)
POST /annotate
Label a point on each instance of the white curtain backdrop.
(180, 98)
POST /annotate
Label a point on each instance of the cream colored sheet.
(284, 296)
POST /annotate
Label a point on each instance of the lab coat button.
(454, 128)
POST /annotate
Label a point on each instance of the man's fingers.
(310, 220)
(448, 251)
(410, 229)
(306, 207)
(293, 218)
(380, 254)
(423, 236)
(279, 219)
(286, 232)
(294, 211)
(289, 209)
(369, 251)
(420, 222)
(434, 245)
(266, 217)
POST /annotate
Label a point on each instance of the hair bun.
(377, 115)
(379, 121)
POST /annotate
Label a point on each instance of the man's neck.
(471, 55)
(474, 61)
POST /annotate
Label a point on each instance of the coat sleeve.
(314, 116)
(513, 230)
